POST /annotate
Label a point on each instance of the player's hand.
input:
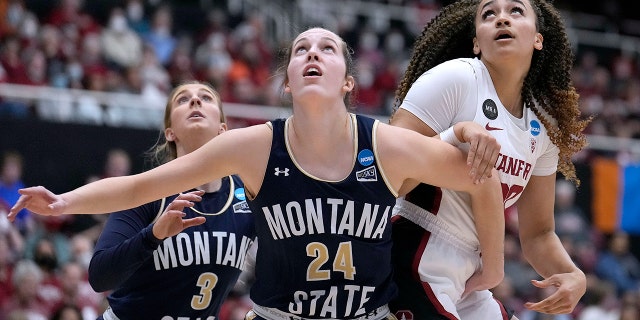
(171, 221)
(483, 150)
(38, 200)
(570, 287)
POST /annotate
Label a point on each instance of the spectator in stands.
(13, 72)
(181, 66)
(117, 163)
(11, 60)
(160, 36)
(570, 219)
(137, 16)
(599, 301)
(214, 61)
(82, 249)
(68, 312)
(50, 40)
(26, 279)
(11, 169)
(90, 59)
(71, 13)
(589, 77)
(77, 292)
(154, 74)
(46, 257)
(618, 265)
(121, 46)
(11, 15)
(7, 262)
(89, 109)
(368, 95)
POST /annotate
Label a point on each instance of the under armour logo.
(278, 172)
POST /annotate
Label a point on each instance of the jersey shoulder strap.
(162, 203)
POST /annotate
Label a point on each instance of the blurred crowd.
(148, 47)
(138, 47)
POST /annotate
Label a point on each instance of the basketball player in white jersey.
(503, 64)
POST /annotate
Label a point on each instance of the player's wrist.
(449, 136)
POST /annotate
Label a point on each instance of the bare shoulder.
(405, 153)
(252, 133)
(251, 147)
(395, 147)
(394, 138)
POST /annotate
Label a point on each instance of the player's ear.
(476, 47)
(223, 128)
(538, 42)
(349, 84)
(169, 135)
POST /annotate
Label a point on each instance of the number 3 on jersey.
(206, 281)
(343, 261)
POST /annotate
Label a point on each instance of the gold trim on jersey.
(353, 124)
(226, 205)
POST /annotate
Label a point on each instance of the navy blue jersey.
(324, 245)
(186, 276)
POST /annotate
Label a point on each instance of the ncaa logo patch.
(490, 109)
(404, 315)
(365, 157)
(239, 194)
(535, 127)
(368, 174)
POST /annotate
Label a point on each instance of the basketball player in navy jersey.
(504, 65)
(159, 268)
(322, 185)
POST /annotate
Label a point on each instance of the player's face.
(506, 28)
(317, 65)
(195, 107)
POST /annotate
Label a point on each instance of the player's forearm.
(488, 211)
(547, 255)
(113, 265)
(103, 196)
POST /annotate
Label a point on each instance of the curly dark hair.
(548, 85)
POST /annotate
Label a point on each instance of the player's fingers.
(193, 222)
(173, 213)
(197, 192)
(192, 196)
(549, 305)
(545, 283)
(179, 204)
(548, 308)
(471, 155)
(19, 205)
(483, 167)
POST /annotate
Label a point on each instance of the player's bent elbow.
(97, 278)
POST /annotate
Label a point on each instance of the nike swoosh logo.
(490, 128)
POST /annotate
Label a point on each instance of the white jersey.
(462, 90)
